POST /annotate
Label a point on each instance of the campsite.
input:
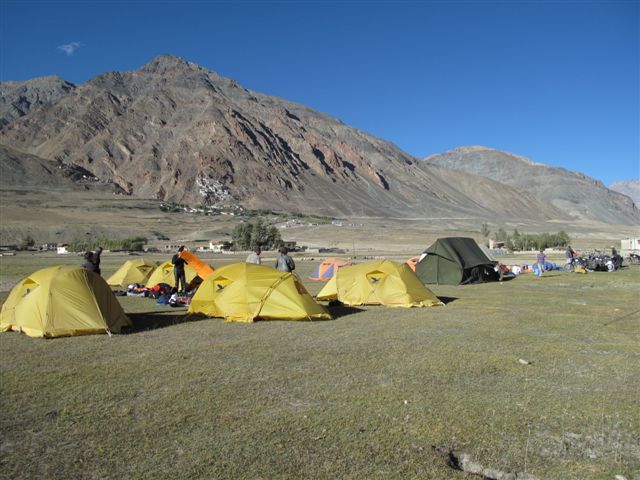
(535, 375)
(319, 240)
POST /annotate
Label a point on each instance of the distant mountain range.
(572, 193)
(630, 188)
(175, 131)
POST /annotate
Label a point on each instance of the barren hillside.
(573, 193)
(175, 131)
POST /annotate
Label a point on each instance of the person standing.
(284, 262)
(88, 264)
(254, 257)
(95, 259)
(178, 270)
(615, 258)
(540, 261)
(569, 254)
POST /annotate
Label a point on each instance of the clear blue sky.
(555, 81)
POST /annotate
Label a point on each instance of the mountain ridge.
(175, 131)
(576, 194)
(630, 188)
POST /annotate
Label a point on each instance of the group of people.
(569, 255)
(284, 262)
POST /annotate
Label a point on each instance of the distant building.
(62, 248)
(629, 245)
(293, 246)
(220, 246)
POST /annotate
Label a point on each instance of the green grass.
(366, 395)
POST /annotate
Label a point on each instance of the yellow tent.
(164, 274)
(132, 271)
(62, 301)
(244, 292)
(378, 283)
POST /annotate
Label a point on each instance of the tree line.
(249, 235)
(135, 244)
(528, 241)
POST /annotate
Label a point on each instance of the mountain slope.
(22, 170)
(630, 188)
(573, 193)
(18, 98)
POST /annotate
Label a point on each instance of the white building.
(630, 245)
(220, 246)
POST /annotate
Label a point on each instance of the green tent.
(455, 261)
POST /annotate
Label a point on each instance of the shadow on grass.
(153, 320)
(339, 310)
(447, 300)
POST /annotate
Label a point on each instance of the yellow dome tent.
(164, 274)
(382, 282)
(244, 292)
(132, 271)
(62, 301)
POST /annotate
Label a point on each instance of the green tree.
(501, 235)
(273, 239)
(249, 235)
(484, 230)
(258, 234)
(241, 236)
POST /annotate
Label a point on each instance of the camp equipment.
(62, 301)
(455, 261)
(198, 265)
(245, 292)
(164, 274)
(378, 283)
(328, 269)
(132, 271)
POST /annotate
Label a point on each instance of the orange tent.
(412, 262)
(328, 269)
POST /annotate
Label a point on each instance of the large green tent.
(455, 261)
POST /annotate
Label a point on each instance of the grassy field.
(536, 375)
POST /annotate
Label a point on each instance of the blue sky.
(555, 81)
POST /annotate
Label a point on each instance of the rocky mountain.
(19, 98)
(175, 131)
(22, 170)
(630, 188)
(573, 193)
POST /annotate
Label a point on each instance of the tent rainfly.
(382, 282)
(245, 292)
(62, 301)
(456, 261)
